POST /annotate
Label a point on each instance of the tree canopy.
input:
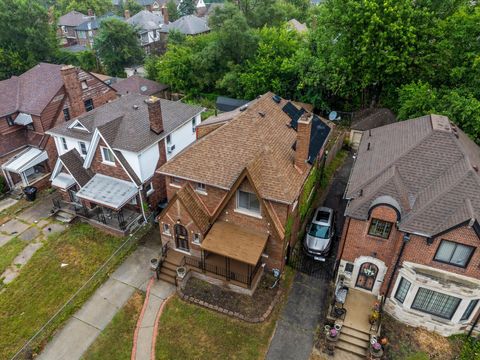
(117, 46)
(99, 7)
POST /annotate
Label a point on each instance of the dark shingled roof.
(228, 104)
(73, 161)
(32, 91)
(188, 25)
(138, 85)
(427, 166)
(372, 118)
(125, 124)
(73, 18)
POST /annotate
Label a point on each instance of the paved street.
(294, 334)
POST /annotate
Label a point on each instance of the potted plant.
(374, 316)
(376, 350)
(181, 272)
(153, 264)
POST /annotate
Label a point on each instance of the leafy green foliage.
(84, 59)
(131, 5)
(117, 45)
(186, 7)
(3, 185)
(173, 13)
(26, 37)
(99, 7)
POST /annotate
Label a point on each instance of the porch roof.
(25, 160)
(108, 191)
(23, 119)
(63, 181)
(235, 242)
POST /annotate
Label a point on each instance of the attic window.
(77, 125)
(84, 85)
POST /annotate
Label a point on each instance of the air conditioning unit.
(170, 148)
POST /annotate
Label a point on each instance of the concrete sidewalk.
(87, 323)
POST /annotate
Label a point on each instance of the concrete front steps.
(168, 271)
(353, 341)
(64, 217)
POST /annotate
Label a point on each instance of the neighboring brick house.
(412, 231)
(148, 27)
(108, 157)
(31, 104)
(66, 27)
(230, 194)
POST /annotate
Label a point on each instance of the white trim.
(77, 125)
(104, 159)
(248, 213)
(182, 251)
(382, 270)
(175, 186)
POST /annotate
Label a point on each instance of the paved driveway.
(294, 334)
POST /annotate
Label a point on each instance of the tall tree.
(187, 7)
(131, 5)
(117, 46)
(99, 7)
(26, 37)
(173, 13)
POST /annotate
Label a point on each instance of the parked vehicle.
(320, 233)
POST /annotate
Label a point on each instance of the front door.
(366, 276)
(181, 237)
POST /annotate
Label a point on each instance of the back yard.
(60, 267)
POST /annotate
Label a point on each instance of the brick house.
(33, 103)
(232, 192)
(66, 27)
(412, 232)
(108, 157)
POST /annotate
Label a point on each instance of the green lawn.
(10, 251)
(43, 286)
(187, 331)
(115, 342)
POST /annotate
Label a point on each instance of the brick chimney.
(73, 88)
(166, 20)
(126, 14)
(155, 114)
(90, 12)
(304, 129)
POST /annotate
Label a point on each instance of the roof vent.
(368, 146)
(135, 107)
(243, 108)
(475, 167)
(261, 113)
(370, 132)
(277, 99)
(361, 192)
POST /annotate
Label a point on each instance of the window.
(88, 105)
(468, 311)
(194, 124)
(83, 148)
(453, 253)
(64, 143)
(66, 114)
(380, 228)
(10, 120)
(107, 155)
(435, 303)
(349, 268)
(196, 238)
(402, 290)
(133, 201)
(248, 202)
(169, 139)
(166, 229)
(84, 85)
(31, 127)
(176, 181)
(149, 188)
(201, 187)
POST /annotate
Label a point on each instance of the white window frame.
(175, 182)
(133, 201)
(80, 143)
(151, 190)
(248, 212)
(64, 143)
(166, 229)
(84, 85)
(201, 188)
(104, 159)
(194, 124)
(196, 239)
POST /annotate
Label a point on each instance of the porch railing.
(207, 267)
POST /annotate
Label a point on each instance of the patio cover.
(108, 191)
(25, 160)
(63, 181)
(235, 242)
(23, 119)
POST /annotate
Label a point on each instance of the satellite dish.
(332, 116)
(143, 88)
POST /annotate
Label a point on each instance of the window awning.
(25, 160)
(23, 119)
(235, 242)
(63, 181)
(108, 191)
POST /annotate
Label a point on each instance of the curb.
(140, 319)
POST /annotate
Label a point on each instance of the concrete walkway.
(87, 323)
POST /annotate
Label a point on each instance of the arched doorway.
(366, 276)
(181, 237)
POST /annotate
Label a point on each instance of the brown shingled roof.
(186, 195)
(73, 161)
(138, 85)
(425, 165)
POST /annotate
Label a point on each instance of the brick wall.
(98, 166)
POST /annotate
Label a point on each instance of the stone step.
(168, 272)
(169, 265)
(351, 348)
(64, 216)
(355, 333)
(167, 278)
(354, 341)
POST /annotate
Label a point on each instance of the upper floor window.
(66, 114)
(380, 228)
(194, 124)
(176, 181)
(166, 229)
(469, 310)
(201, 187)
(149, 188)
(454, 253)
(10, 120)
(88, 105)
(107, 155)
(169, 139)
(248, 202)
(196, 238)
(402, 290)
(435, 303)
(83, 148)
(64, 143)
(84, 85)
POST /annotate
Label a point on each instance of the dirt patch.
(406, 342)
(249, 306)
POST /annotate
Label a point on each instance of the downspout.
(141, 205)
(406, 239)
